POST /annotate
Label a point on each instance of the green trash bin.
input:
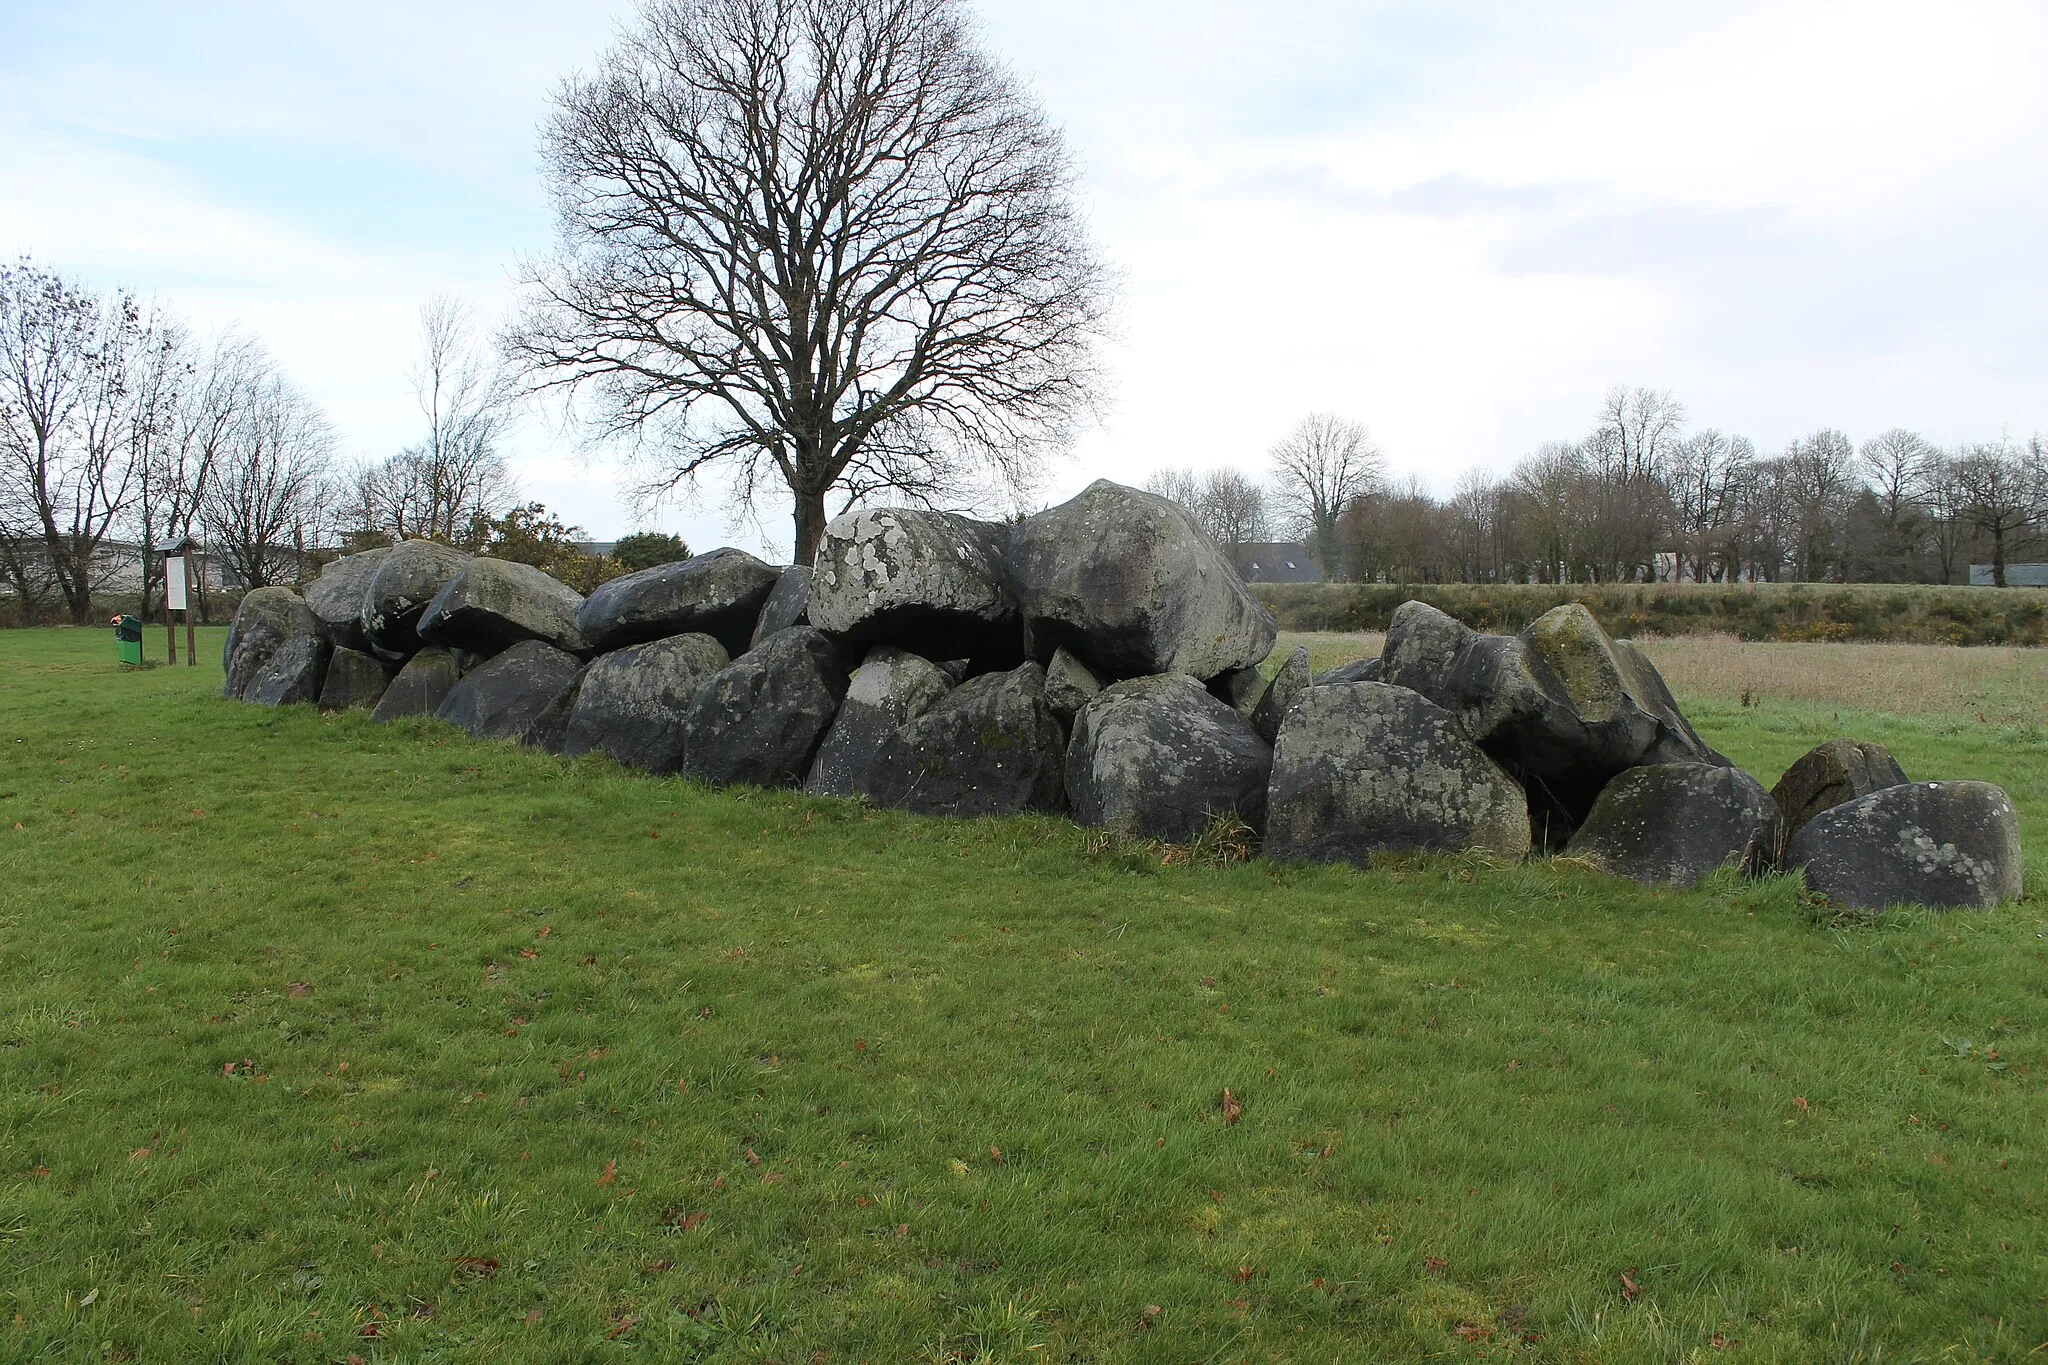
(128, 639)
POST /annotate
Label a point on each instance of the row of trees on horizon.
(1641, 497)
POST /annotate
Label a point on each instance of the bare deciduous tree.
(822, 242)
(1319, 469)
(269, 482)
(2000, 494)
(1229, 505)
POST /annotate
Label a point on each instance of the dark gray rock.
(337, 597)
(891, 688)
(1130, 584)
(1068, 685)
(1829, 774)
(759, 721)
(992, 746)
(1561, 706)
(632, 701)
(294, 673)
(1672, 824)
(549, 730)
(493, 604)
(931, 582)
(1365, 768)
(420, 687)
(1159, 758)
(265, 621)
(1288, 687)
(501, 698)
(1358, 670)
(404, 582)
(1240, 689)
(1940, 844)
(719, 594)
(788, 604)
(354, 680)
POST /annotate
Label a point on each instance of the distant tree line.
(1643, 498)
(123, 432)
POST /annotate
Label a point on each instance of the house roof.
(1278, 562)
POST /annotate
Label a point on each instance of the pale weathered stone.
(891, 688)
(632, 702)
(1940, 844)
(1160, 758)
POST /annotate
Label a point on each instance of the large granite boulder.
(403, 584)
(1365, 768)
(788, 604)
(493, 604)
(759, 720)
(632, 701)
(1159, 758)
(1069, 684)
(337, 596)
(266, 621)
(294, 673)
(891, 688)
(992, 746)
(1561, 706)
(931, 582)
(1940, 844)
(1829, 774)
(503, 696)
(1672, 824)
(718, 593)
(1130, 584)
(420, 687)
(354, 681)
(1288, 687)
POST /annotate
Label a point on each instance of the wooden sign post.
(174, 599)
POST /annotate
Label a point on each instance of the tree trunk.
(810, 525)
(1998, 557)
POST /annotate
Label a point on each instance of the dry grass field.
(1996, 684)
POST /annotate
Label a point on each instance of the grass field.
(320, 1040)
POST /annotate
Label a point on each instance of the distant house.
(1278, 562)
(2016, 576)
(597, 549)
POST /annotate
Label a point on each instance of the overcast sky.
(1458, 222)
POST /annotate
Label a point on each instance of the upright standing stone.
(264, 622)
(633, 701)
(1069, 684)
(788, 604)
(1940, 844)
(891, 688)
(355, 681)
(1365, 768)
(1288, 687)
(420, 687)
(759, 721)
(991, 746)
(1829, 774)
(1159, 758)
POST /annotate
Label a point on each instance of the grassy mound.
(320, 1039)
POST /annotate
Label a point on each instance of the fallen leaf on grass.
(1436, 1265)
(1148, 1315)
(1244, 1273)
(482, 1267)
(1720, 1341)
(1472, 1331)
(1800, 1100)
(1232, 1109)
(1630, 1290)
(299, 990)
(625, 1325)
(610, 1172)
(995, 1154)
(139, 1154)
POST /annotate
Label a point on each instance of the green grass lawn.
(321, 1040)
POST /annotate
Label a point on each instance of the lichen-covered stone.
(354, 681)
(758, 721)
(788, 604)
(992, 746)
(502, 697)
(404, 583)
(931, 582)
(1366, 768)
(719, 593)
(1829, 774)
(1358, 670)
(420, 687)
(265, 621)
(1129, 583)
(632, 702)
(1288, 687)
(1069, 684)
(1672, 824)
(1160, 757)
(1940, 844)
(338, 594)
(493, 604)
(891, 688)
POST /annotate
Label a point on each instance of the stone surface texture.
(788, 604)
(758, 722)
(992, 746)
(1949, 845)
(265, 621)
(891, 688)
(1829, 774)
(420, 687)
(632, 702)
(1673, 824)
(1288, 687)
(932, 582)
(507, 693)
(1160, 758)
(1129, 583)
(337, 596)
(493, 604)
(354, 681)
(404, 583)
(1366, 768)
(719, 593)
